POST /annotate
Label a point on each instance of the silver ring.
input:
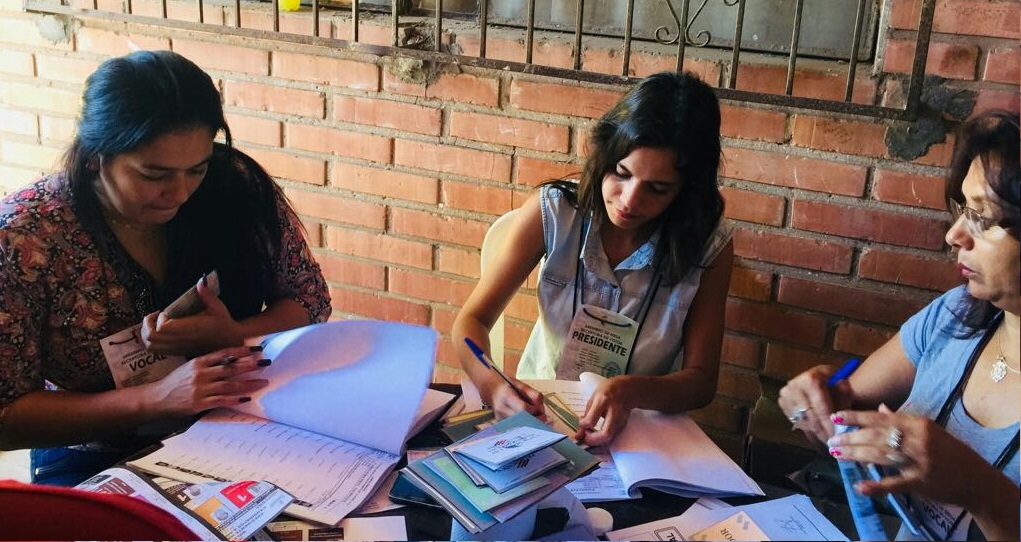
(799, 415)
(894, 439)
(898, 459)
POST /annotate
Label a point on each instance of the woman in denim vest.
(636, 258)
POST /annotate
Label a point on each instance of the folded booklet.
(499, 450)
(514, 473)
(213, 510)
(331, 424)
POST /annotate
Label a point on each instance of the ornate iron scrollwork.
(702, 39)
(662, 33)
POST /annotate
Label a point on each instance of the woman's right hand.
(506, 402)
(220, 379)
(808, 393)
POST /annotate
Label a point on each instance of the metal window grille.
(683, 15)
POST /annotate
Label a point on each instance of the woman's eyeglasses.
(973, 220)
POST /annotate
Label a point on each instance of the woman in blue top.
(636, 263)
(952, 373)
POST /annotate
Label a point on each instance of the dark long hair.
(667, 110)
(231, 222)
(991, 137)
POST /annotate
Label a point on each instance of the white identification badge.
(940, 517)
(599, 341)
(129, 361)
(125, 352)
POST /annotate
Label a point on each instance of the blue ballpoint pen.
(843, 372)
(484, 359)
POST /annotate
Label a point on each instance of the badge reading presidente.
(599, 341)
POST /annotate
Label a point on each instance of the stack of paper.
(788, 518)
(494, 475)
(506, 460)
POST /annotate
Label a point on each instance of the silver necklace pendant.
(999, 370)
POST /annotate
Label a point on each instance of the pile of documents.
(211, 510)
(504, 461)
(497, 473)
(787, 518)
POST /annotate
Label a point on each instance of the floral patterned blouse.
(59, 295)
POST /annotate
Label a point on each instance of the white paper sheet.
(574, 393)
(671, 453)
(348, 380)
(602, 484)
(384, 528)
(666, 452)
(696, 517)
(380, 500)
(787, 518)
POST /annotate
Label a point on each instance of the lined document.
(328, 477)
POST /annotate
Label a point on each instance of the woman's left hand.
(210, 329)
(611, 401)
(931, 462)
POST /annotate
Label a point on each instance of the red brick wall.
(397, 181)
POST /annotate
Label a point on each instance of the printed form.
(229, 446)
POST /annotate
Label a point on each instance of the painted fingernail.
(836, 418)
(835, 452)
(255, 348)
(244, 399)
(264, 363)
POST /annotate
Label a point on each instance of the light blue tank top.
(941, 357)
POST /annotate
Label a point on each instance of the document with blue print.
(499, 450)
(330, 426)
(513, 473)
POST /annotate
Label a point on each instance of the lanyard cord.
(955, 395)
(650, 292)
(944, 416)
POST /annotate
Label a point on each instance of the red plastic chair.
(35, 512)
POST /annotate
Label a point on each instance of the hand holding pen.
(809, 398)
(507, 404)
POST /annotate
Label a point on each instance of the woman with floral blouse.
(146, 204)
